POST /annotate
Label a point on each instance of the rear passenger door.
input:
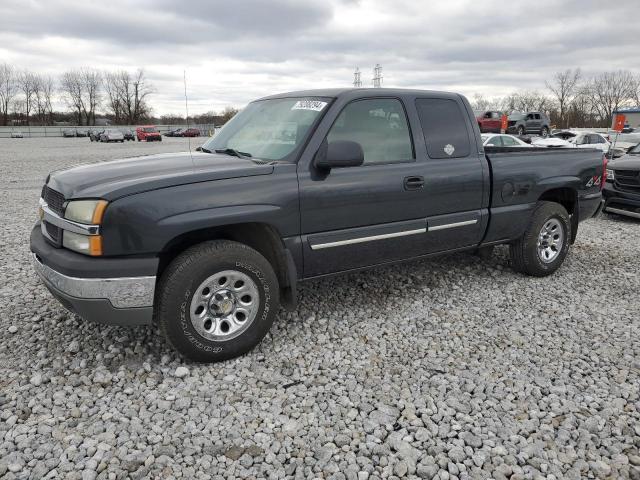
(455, 175)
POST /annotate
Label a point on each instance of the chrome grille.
(54, 199)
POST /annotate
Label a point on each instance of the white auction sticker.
(315, 105)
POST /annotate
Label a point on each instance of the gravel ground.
(451, 368)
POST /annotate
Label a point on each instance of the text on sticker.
(315, 105)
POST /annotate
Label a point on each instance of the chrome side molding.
(351, 241)
(452, 225)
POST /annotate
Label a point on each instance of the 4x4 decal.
(594, 181)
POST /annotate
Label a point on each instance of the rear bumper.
(122, 299)
(621, 203)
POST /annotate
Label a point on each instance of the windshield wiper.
(235, 153)
(203, 149)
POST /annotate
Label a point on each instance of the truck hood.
(118, 178)
(628, 162)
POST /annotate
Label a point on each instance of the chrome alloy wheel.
(550, 240)
(224, 305)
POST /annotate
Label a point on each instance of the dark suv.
(522, 123)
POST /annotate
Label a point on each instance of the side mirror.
(339, 154)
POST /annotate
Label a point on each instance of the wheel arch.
(568, 198)
(262, 237)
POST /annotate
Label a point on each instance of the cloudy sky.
(234, 51)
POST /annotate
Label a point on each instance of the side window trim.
(413, 158)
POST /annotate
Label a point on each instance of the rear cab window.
(444, 127)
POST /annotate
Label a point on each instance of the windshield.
(270, 129)
(150, 129)
(517, 116)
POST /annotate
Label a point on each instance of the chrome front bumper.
(128, 292)
(114, 301)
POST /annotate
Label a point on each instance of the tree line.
(29, 96)
(572, 99)
(122, 96)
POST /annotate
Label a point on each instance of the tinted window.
(379, 126)
(444, 127)
(536, 116)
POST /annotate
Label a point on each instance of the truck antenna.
(186, 107)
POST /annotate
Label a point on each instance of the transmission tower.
(377, 76)
(357, 83)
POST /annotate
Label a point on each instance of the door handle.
(413, 183)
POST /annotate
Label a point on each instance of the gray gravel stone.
(454, 367)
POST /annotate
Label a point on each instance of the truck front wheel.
(217, 300)
(545, 243)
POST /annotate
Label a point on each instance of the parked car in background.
(94, 135)
(174, 133)
(16, 135)
(489, 121)
(209, 243)
(622, 189)
(112, 135)
(68, 133)
(499, 140)
(522, 123)
(128, 134)
(148, 133)
(191, 132)
(81, 132)
(572, 139)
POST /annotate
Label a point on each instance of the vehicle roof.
(359, 92)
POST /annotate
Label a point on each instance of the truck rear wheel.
(217, 300)
(545, 243)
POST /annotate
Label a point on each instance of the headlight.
(87, 244)
(610, 175)
(85, 211)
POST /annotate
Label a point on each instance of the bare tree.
(42, 93)
(91, 81)
(610, 91)
(228, 113)
(7, 90)
(112, 89)
(127, 95)
(564, 87)
(480, 102)
(526, 101)
(71, 87)
(27, 84)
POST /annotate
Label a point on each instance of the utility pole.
(377, 76)
(357, 82)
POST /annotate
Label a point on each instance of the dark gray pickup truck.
(297, 186)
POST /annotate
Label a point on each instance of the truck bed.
(519, 176)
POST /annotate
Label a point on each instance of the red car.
(148, 133)
(489, 121)
(190, 132)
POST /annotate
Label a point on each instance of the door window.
(494, 141)
(509, 142)
(379, 126)
(444, 127)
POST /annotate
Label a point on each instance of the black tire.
(524, 252)
(544, 133)
(520, 130)
(187, 273)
